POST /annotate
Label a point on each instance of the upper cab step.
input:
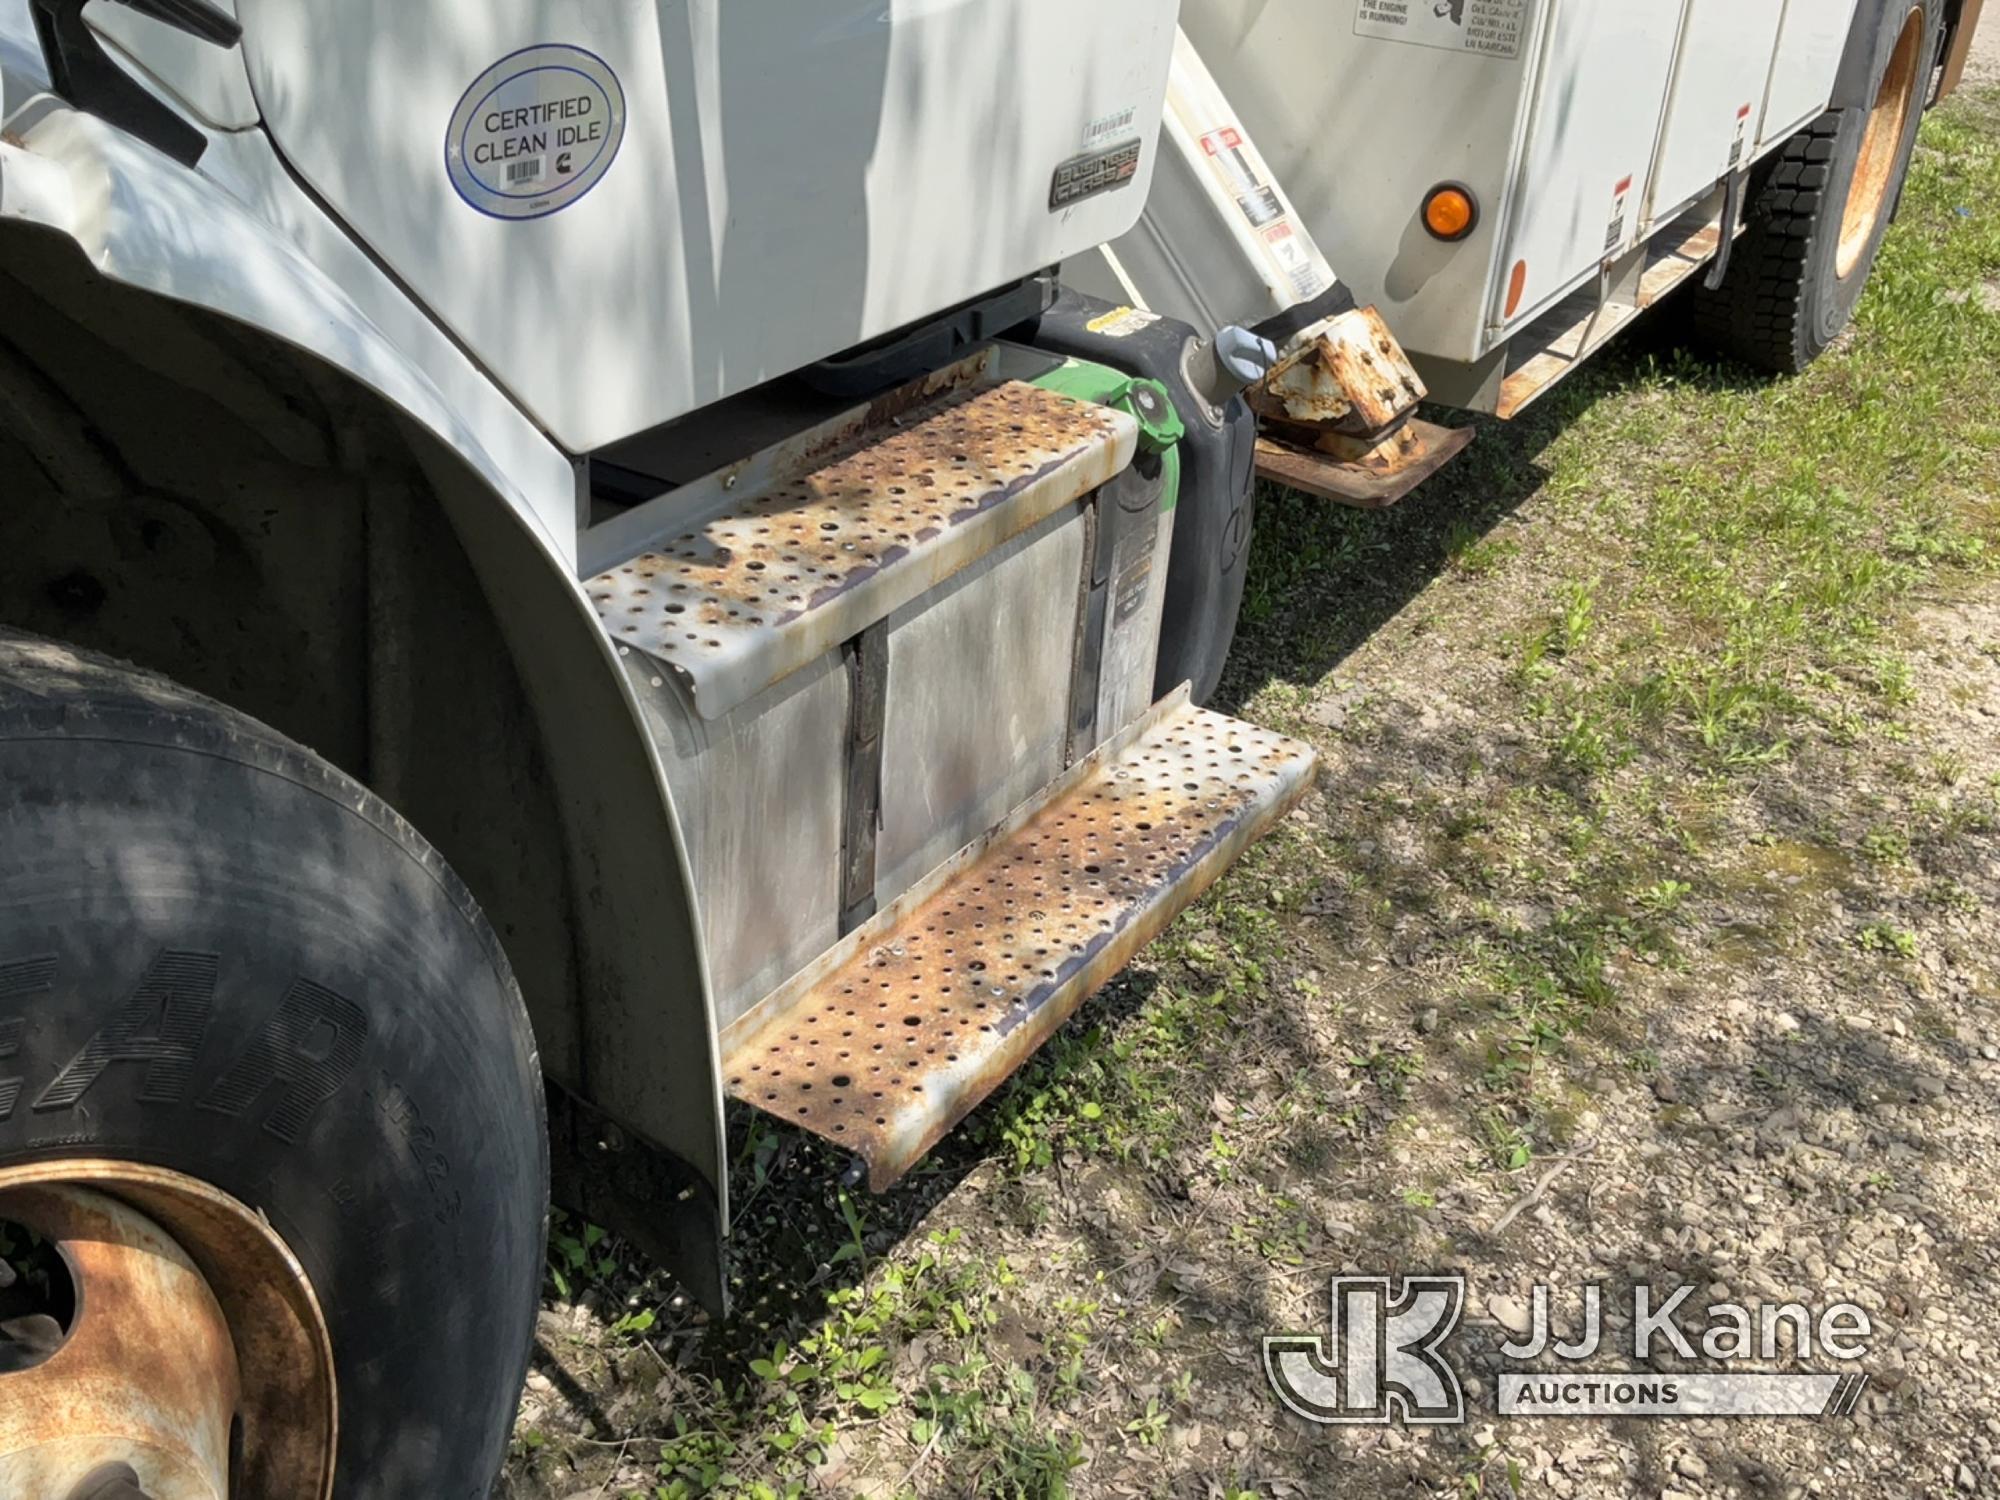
(905, 1025)
(748, 577)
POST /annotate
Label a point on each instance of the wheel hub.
(1875, 171)
(194, 1364)
(144, 1383)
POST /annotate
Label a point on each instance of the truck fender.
(240, 239)
(144, 220)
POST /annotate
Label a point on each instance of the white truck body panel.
(1579, 181)
(1714, 113)
(1580, 127)
(1356, 130)
(793, 177)
(1809, 46)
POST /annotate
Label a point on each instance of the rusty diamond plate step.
(773, 579)
(898, 1032)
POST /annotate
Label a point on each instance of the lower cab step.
(902, 1028)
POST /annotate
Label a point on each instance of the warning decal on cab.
(1614, 231)
(1487, 28)
(1122, 322)
(1289, 248)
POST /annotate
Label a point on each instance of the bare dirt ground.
(1640, 931)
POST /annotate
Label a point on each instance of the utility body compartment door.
(1810, 42)
(627, 209)
(1589, 148)
(1718, 99)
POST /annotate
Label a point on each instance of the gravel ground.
(1808, 1129)
(1641, 931)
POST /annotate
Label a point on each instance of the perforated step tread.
(753, 591)
(901, 1030)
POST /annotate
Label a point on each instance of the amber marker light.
(1450, 211)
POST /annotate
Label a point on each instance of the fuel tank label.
(535, 132)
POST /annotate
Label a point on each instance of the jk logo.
(1381, 1361)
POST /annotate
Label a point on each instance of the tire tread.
(1760, 315)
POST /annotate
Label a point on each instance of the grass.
(1682, 593)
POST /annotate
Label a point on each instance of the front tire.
(1819, 211)
(221, 956)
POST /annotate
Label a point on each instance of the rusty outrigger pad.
(745, 594)
(1348, 375)
(1379, 477)
(1335, 416)
(908, 1023)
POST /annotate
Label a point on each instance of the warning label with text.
(1488, 28)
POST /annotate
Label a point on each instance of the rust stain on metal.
(1702, 243)
(164, 1265)
(1670, 265)
(147, 1374)
(1347, 471)
(738, 600)
(1351, 377)
(890, 408)
(926, 1010)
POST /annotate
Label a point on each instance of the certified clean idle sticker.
(535, 132)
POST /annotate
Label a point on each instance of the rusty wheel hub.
(185, 1359)
(1874, 173)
